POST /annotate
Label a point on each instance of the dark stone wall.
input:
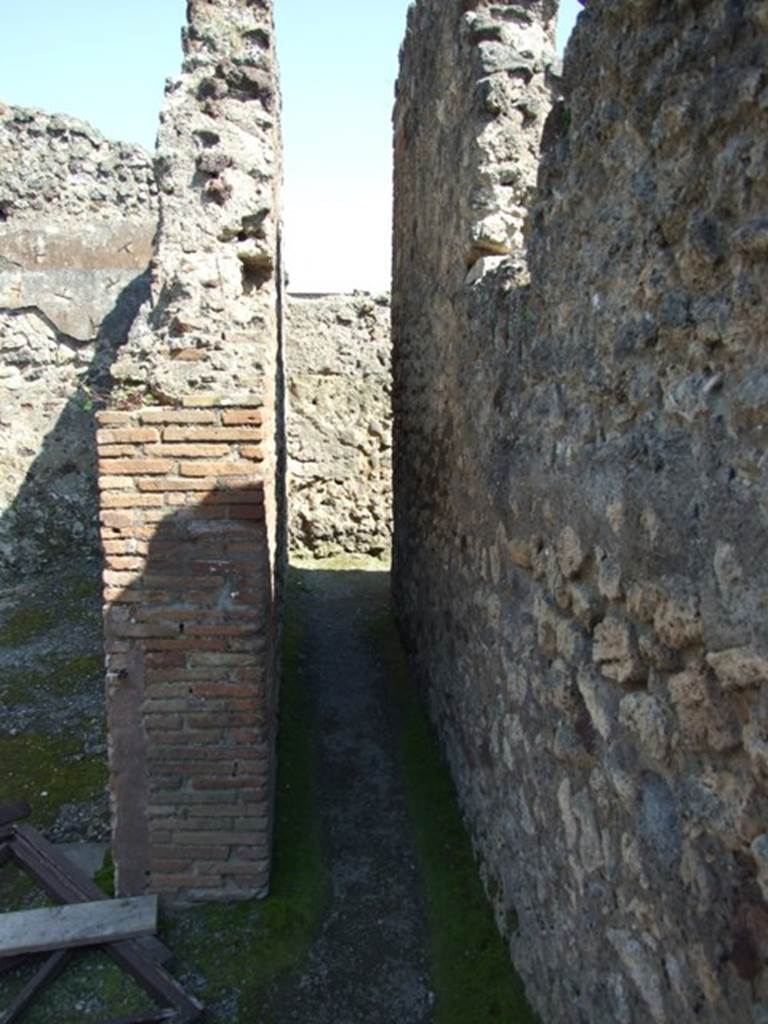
(581, 511)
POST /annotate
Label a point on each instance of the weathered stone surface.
(339, 424)
(215, 274)
(77, 217)
(195, 538)
(581, 517)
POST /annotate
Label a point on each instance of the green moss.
(82, 587)
(472, 974)
(18, 891)
(66, 675)
(62, 678)
(105, 876)
(264, 940)
(92, 986)
(48, 771)
(24, 624)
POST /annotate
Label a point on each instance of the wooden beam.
(77, 924)
(50, 970)
(61, 880)
(64, 881)
(150, 1017)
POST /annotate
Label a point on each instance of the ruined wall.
(194, 689)
(580, 493)
(77, 217)
(188, 619)
(339, 424)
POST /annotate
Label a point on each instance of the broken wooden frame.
(141, 958)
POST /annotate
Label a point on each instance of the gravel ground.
(51, 686)
(369, 960)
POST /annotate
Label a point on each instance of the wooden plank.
(64, 881)
(71, 883)
(77, 924)
(40, 859)
(50, 970)
(17, 810)
(155, 981)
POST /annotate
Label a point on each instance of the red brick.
(218, 660)
(187, 644)
(121, 563)
(215, 630)
(169, 484)
(115, 483)
(165, 854)
(216, 469)
(116, 595)
(177, 416)
(166, 659)
(250, 451)
(211, 434)
(193, 451)
(117, 520)
(107, 417)
(237, 496)
(136, 500)
(127, 435)
(241, 417)
(255, 512)
(119, 547)
(135, 467)
(112, 451)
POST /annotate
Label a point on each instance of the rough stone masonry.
(191, 478)
(339, 416)
(581, 500)
(77, 217)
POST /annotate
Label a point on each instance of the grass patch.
(82, 587)
(18, 891)
(49, 771)
(105, 876)
(61, 678)
(91, 983)
(24, 624)
(241, 950)
(472, 974)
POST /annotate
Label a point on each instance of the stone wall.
(581, 505)
(77, 217)
(339, 424)
(202, 370)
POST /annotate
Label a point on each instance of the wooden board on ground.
(77, 924)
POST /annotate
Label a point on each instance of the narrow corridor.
(369, 961)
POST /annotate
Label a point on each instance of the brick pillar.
(190, 637)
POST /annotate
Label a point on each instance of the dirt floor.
(369, 961)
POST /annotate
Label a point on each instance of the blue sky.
(106, 61)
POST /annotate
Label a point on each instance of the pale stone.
(643, 598)
(739, 667)
(570, 552)
(678, 623)
(643, 970)
(614, 650)
(756, 745)
(608, 575)
(649, 720)
(759, 850)
(600, 701)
